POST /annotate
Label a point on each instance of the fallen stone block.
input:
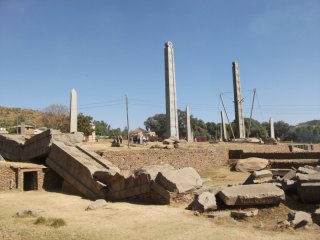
(179, 181)
(99, 203)
(300, 219)
(261, 176)
(251, 164)
(308, 187)
(204, 202)
(153, 170)
(307, 170)
(243, 213)
(254, 194)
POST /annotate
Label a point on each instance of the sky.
(107, 49)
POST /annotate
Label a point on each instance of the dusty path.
(122, 221)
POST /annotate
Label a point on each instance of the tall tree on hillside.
(85, 124)
(56, 116)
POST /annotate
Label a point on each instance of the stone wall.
(7, 178)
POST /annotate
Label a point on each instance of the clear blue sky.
(107, 49)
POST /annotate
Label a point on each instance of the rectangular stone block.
(255, 194)
(179, 181)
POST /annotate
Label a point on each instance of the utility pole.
(127, 121)
(254, 95)
(225, 111)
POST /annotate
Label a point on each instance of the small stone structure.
(21, 176)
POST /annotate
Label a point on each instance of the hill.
(12, 116)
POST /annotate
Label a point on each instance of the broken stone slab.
(124, 184)
(254, 194)
(279, 171)
(99, 203)
(77, 168)
(307, 170)
(11, 148)
(251, 164)
(243, 213)
(261, 176)
(291, 175)
(180, 180)
(204, 202)
(300, 219)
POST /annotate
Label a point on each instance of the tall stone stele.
(188, 121)
(271, 128)
(73, 112)
(224, 135)
(171, 98)
(239, 119)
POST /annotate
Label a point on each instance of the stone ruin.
(86, 173)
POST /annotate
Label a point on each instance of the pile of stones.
(264, 187)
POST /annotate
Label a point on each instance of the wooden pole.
(225, 111)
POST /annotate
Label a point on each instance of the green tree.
(281, 129)
(199, 127)
(85, 124)
(125, 133)
(115, 132)
(157, 124)
(213, 129)
(257, 129)
(102, 128)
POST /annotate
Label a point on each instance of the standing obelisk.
(271, 128)
(189, 132)
(240, 128)
(73, 111)
(224, 136)
(171, 98)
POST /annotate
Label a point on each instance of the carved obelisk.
(171, 98)
(239, 119)
(189, 132)
(73, 111)
(271, 128)
(224, 136)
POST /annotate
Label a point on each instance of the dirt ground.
(122, 220)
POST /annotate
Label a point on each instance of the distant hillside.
(11, 116)
(312, 123)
